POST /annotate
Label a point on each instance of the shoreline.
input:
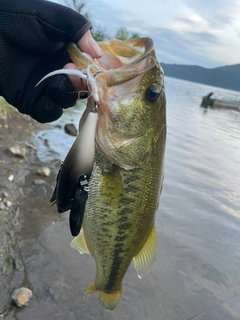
(19, 191)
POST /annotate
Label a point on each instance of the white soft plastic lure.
(88, 76)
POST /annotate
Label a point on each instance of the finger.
(46, 110)
(61, 91)
(89, 45)
(79, 84)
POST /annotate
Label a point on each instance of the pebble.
(44, 172)
(39, 181)
(17, 151)
(70, 129)
(21, 296)
(8, 203)
(11, 177)
(5, 194)
(2, 206)
(30, 146)
(46, 141)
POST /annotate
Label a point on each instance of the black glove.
(33, 39)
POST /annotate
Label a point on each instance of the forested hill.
(224, 77)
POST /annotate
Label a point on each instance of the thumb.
(89, 45)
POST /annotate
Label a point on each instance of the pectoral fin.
(79, 243)
(132, 152)
(129, 153)
(145, 258)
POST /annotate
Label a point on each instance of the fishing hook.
(88, 76)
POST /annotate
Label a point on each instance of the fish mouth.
(117, 53)
(121, 60)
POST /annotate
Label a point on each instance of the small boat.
(208, 102)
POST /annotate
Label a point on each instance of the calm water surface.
(197, 272)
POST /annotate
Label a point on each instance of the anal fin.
(79, 243)
(146, 257)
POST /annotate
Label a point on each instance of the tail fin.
(108, 300)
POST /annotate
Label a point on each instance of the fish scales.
(127, 175)
(120, 216)
(116, 222)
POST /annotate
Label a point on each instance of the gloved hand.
(33, 38)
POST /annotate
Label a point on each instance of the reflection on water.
(197, 273)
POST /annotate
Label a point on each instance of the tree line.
(98, 32)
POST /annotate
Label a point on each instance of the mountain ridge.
(227, 77)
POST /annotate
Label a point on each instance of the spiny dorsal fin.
(79, 243)
(145, 258)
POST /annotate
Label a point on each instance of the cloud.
(184, 31)
(217, 13)
(173, 44)
(183, 47)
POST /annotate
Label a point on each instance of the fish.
(126, 177)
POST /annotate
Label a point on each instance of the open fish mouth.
(121, 60)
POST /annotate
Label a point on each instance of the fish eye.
(153, 93)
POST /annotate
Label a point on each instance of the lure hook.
(88, 76)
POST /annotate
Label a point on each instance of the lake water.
(197, 272)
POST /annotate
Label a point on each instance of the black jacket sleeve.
(33, 39)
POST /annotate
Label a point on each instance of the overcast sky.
(201, 32)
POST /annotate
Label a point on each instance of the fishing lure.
(71, 191)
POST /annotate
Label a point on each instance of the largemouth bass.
(127, 174)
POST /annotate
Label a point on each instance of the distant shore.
(226, 77)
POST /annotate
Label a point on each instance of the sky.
(193, 32)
